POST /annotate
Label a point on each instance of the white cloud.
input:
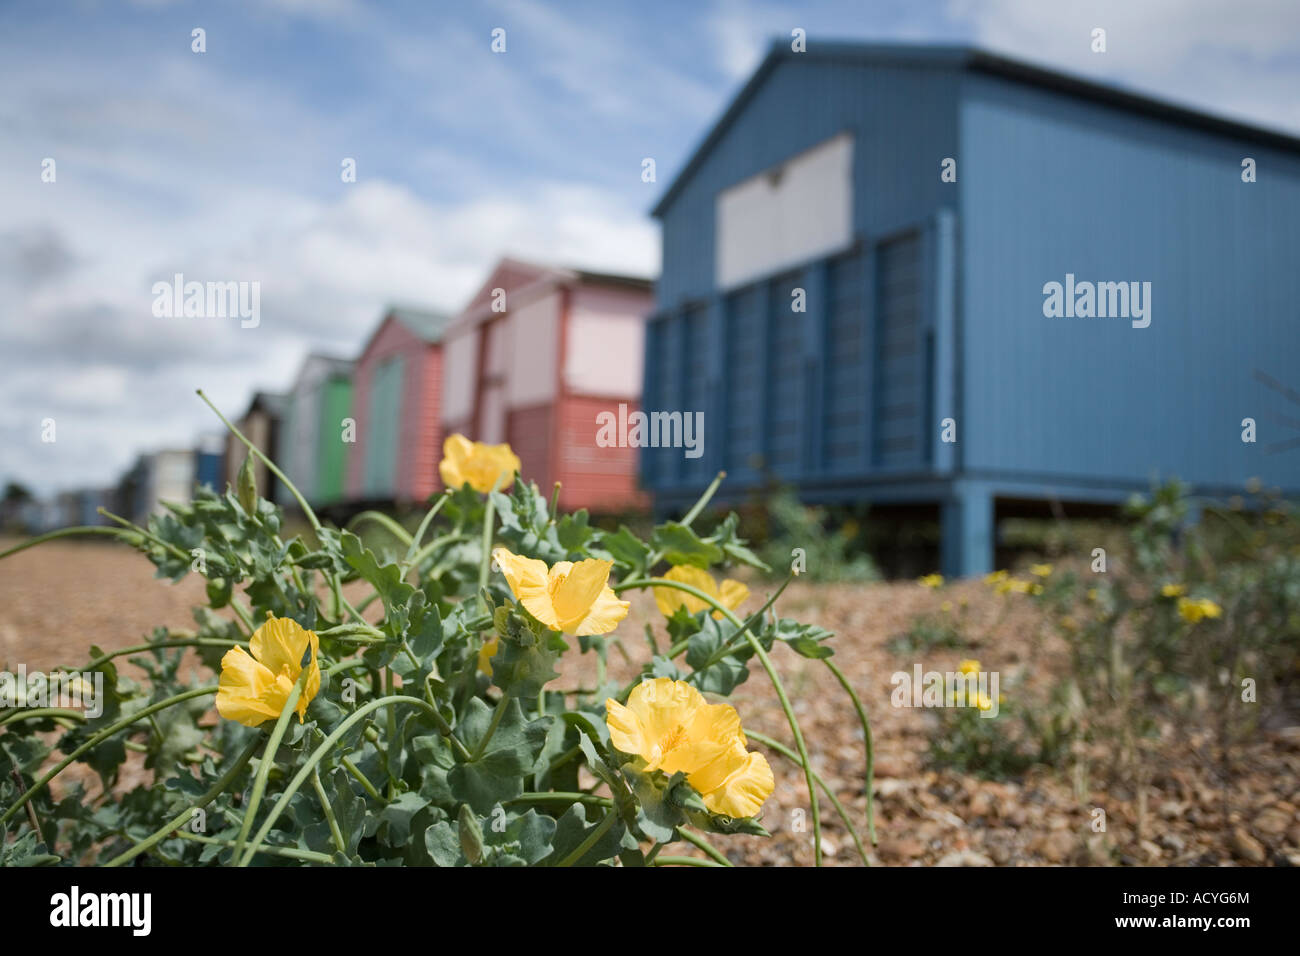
(1232, 58)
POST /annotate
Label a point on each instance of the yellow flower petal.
(605, 614)
(279, 644)
(482, 466)
(743, 790)
(668, 600)
(568, 597)
(733, 594)
(244, 688)
(625, 730)
(254, 689)
(574, 589)
(529, 583)
(485, 655)
(670, 726)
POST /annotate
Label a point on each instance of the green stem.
(777, 685)
(97, 662)
(866, 734)
(316, 756)
(268, 758)
(497, 713)
(360, 633)
(691, 837)
(559, 796)
(63, 533)
(682, 861)
(681, 646)
(328, 810)
(434, 545)
(271, 466)
(145, 533)
(592, 839)
(99, 738)
(179, 820)
(288, 852)
(388, 524)
(704, 499)
(414, 547)
(362, 779)
(37, 713)
(655, 556)
(485, 562)
(790, 755)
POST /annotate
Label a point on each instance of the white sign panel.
(786, 215)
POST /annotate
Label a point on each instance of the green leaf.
(573, 532)
(658, 818)
(805, 639)
(680, 545)
(395, 819)
(572, 829)
(734, 546)
(443, 844)
(527, 837)
(626, 548)
(716, 669)
(497, 774)
(384, 578)
(522, 669)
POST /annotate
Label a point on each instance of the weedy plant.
(435, 733)
(1194, 632)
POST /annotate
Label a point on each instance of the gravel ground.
(58, 599)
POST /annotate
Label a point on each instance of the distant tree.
(16, 494)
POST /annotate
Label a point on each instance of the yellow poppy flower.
(931, 581)
(736, 784)
(1173, 591)
(483, 466)
(731, 595)
(485, 655)
(970, 666)
(254, 689)
(572, 598)
(1041, 570)
(670, 726)
(997, 577)
(1193, 611)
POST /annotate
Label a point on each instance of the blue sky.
(225, 165)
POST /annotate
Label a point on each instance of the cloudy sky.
(225, 165)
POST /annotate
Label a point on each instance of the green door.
(380, 472)
(332, 450)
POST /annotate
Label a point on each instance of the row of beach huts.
(910, 276)
(531, 360)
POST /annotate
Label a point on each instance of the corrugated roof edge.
(424, 323)
(960, 56)
(639, 283)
